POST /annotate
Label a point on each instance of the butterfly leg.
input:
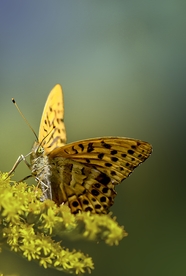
(19, 160)
(46, 189)
(25, 178)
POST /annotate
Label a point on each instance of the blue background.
(122, 66)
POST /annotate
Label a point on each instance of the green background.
(122, 66)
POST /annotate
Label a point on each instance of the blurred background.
(122, 66)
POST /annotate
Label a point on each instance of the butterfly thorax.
(40, 168)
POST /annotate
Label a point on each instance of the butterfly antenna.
(47, 135)
(14, 102)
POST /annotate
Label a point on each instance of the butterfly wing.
(52, 132)
(117, 157)
(91, 168)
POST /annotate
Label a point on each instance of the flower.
(30, 228)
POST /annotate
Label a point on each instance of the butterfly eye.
(40, 149)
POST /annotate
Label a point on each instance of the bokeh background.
(122, 65)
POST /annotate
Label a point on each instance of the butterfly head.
(37, 150)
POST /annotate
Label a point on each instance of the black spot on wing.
(105, 145)
(103, 178)
(88, 209)
(114, 159)
(97, 185)
(62, 140)
(113, 173)
(81, 146)
(75, 203)
(103, 199)
(105, 190)
(100, 155)
(94, 192)
(108, 164)
(74, 150)
(85, 201)
(133, 147)
(90, 147)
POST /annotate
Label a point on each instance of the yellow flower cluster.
(30, 227)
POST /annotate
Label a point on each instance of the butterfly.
(82, 174)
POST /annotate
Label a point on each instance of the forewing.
(52, 132)
(114, 157)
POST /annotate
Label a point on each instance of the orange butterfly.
(82, 174)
